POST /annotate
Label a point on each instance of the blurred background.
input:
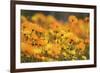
(62, 16)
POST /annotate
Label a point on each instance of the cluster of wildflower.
(44, 38)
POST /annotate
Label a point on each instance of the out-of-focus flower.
(86, 20)
(72, 19)
(26, 48)
(23, 19)
(87, 41)
(39, 18)
(52, 22)
(81, 46)
(84, 57)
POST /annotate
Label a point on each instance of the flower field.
(44, 38)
